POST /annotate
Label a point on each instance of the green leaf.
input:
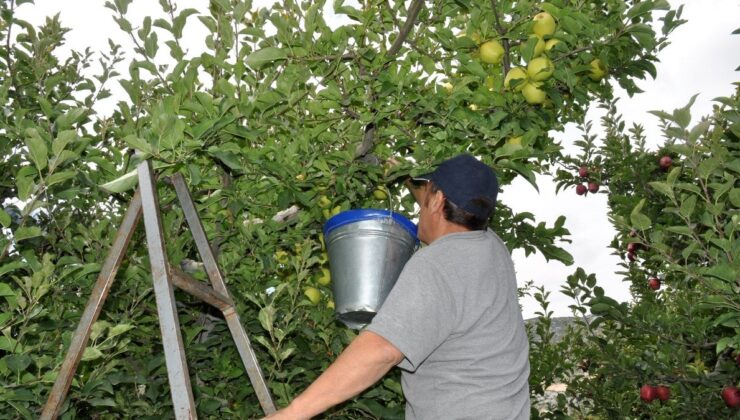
(27, 232)
(555, 253)
(5, 290)
(119, 329)
(673, 175)
(722, 271)
(98, 329)
(687, 206)
(227, 157)
(729, 319)
(682, 116)
(91, 353)
(698, 130)
(723, 343)
(102, 402)
(122, 183)
(151, 45)
(639, 9)
(265, 56)
(662, 115)
(600, 308)
(735, 197)
(681, 230)
(209, 23)
(137, 143)
(5, 219)
(639, 220)
(8, 344)
(266, 317)
(7, 268)
(663, 188)
(474, 67)
(73, 116)
(180, 21)
(17, 362)
(25, 182)
(59, 177)
(62, 140)
(37, 150)
(707, 166)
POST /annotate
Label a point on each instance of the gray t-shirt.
(454, 315)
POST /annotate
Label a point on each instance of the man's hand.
(360, 365)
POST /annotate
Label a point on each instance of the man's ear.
(438, 201)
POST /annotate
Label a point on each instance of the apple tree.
(284, 117)
(675, 349)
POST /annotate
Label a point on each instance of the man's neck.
(445, 228)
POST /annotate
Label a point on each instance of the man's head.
(469, 187)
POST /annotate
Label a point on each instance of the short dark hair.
(455, 214)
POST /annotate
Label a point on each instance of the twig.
(501, 31)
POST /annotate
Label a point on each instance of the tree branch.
(412, 14)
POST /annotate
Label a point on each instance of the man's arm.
(360, 365)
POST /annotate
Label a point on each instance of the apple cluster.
(592, 186)
(649, 393)
(632, 248)
(529, 80)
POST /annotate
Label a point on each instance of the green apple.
(380, 194)
(281, 256)
(491, 52)
(551, 43)
(540, 69)
(597, 70)
(514, 141)
(543, 24)
(313, 294)
(324, 201)
(325, 277)
(538, 48)
(517, 73)
(533, 94)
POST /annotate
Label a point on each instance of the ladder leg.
(214, 274)
(92, 310)
(174, 351)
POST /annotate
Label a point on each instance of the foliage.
(684, 220)
(279, 110)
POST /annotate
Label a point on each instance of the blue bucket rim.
(357, 215)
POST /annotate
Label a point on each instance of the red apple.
(580, 189)
(583, 172)
(648, 393)
(632, 247)
(593, 187)
(731, 395)
(665, 162)
(663, 393)
(654, 283)
(631, 256)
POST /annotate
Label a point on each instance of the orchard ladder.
(146, 202)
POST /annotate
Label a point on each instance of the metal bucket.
(367, 250)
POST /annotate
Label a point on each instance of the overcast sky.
(702, 59)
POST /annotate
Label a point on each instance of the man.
(452, 321)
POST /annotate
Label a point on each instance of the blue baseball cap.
(466, 182)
